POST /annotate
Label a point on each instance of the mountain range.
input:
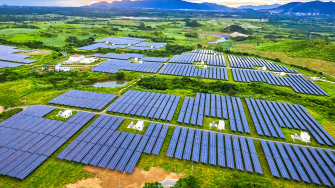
(160, 4)
(260, 7)
(294, 7)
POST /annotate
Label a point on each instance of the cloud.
(233, 3)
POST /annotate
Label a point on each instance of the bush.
(188, 182)
(119, 75)
(193, 35)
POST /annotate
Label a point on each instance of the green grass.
(14, 31)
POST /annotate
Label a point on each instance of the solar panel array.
(302, 85)
(193, 110)
(155, 59)
(218, 73)
(124, 42)
(7, 53)
(84, 99)
(114, 66)
(215, 149)
(251, 62)
(146, 104)
(120, 41)
(142, 48)
(298, 83)
(150, 44)
(101, 45)
(129, 55)
(269, 116)
(206, 52)
(104, 146)
(190, 58)
(302, 163)
(10, 65)
(119, 56)
(27, 139)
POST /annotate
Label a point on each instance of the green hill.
(317, 48)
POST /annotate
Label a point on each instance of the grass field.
(317, 64)
(14, 31)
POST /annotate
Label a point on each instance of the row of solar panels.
(7, 53)
(151, 44)
(120, 41)
(104, 146)
(84, 99)
(114, 66)
(119, 56)
(206, 52)
(302, 85)
(26, 141)
(146, 104)
(217, 106)
(112, 47)
(38, 110)
(9, 65)
(218, 151)
(129, 55)
(190, 58)
(269, 116)
(191, 70)
(301, 164)
(251, 62)
(297, 82)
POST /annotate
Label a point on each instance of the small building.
(305, 137)
(295, 137)
(89, 60)
(76, 58)
(59, 68)
(169, 182)
(66, 114)
(139, 125)
(221, 125)
(213, 124)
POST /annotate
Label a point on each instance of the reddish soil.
(107, 178)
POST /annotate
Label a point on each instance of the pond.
(111, 83)
(223, 38)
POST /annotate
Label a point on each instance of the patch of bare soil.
(37, 52)
(107, 178)
(1, 109)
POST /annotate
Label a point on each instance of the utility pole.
(310, 35)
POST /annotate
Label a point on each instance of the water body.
(111, 83)
(223, 38)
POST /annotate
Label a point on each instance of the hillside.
(309, 7)
(160, 4)
(317, 48)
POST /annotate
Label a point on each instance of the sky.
(232, 3)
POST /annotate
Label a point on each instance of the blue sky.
(233, 3)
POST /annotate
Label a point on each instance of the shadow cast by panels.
(27, 139)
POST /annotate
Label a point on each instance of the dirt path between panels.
(107, 178)
(1, 109)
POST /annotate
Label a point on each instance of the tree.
(188, 182)
(119, 75)
(152, 185)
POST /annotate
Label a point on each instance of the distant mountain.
(160, 4)
(309, 7)
(259, 7)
